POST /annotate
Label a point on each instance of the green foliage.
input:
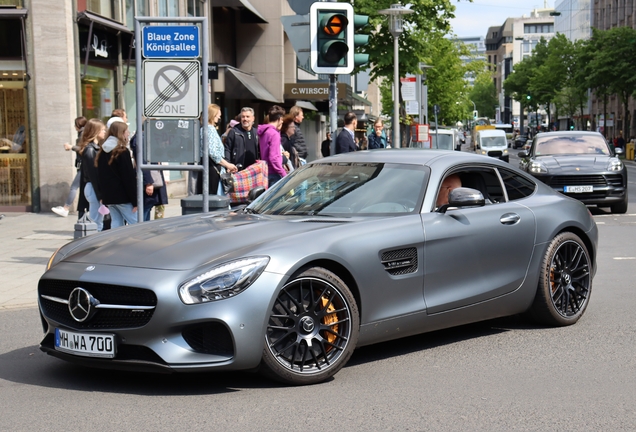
(484, 95)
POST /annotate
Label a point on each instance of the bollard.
(84, 226)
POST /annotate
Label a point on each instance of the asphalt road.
(501, 375)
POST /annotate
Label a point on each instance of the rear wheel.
(620, 208)
(565, 283)
(312, 330)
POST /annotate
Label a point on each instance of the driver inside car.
(451, 182)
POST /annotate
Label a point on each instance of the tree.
(484, 95)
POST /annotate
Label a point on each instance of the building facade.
(60, 59)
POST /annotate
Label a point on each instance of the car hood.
(183, 243)
(574, 164)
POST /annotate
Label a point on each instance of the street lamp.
(396, 28)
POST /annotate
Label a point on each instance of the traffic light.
(332, 38)
(360, 21)
(475, 114)
(528, 97)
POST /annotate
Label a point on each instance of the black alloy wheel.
(566, 282)
(312, 329)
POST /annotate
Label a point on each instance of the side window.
(517, 186)
(486, 181)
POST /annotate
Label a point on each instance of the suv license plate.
(578, 189)
(85, 344)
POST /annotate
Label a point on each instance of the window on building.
(102, 7)
(529, 28)
(195, 8)
(17, 3)
(168, 8)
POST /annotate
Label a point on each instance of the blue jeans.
(93, 206)
(74, 187)
(121, 212)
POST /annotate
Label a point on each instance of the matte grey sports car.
(580, 165)
(347, 251)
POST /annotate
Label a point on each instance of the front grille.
(400, 261)
(614, 180)
(497, 153)
(209, 338)
(575, 180)
(105, 294)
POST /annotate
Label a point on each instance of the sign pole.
(333, 110)
(140, 126)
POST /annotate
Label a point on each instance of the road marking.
(624, 258)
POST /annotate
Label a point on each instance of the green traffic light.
(528, 97)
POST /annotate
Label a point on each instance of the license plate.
(85, 344)
(578, 189)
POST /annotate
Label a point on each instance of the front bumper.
(220, 335)
(607, 188)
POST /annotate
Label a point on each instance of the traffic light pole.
(333, 110)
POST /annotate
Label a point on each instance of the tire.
(620, 208)
(565, 282)
(312, 329)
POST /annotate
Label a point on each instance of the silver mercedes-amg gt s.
(347, 251)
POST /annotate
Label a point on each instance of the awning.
(359, 99)
(306, 105)
(249, 14)
(12, 12)
(241, 85)
(106, 23)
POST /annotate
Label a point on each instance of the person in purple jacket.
(269, 143)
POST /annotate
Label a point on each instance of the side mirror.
(619, 151)
(255, 193)
(463, 197)
(522, 154)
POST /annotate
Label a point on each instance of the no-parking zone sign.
(172, 89)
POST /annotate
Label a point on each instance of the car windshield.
(345, 188)
(578, 144)
(494, 141)
(441, 141)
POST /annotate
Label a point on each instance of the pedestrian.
(228, 127)
(620, 141)
(377, 138)
(325, 147)
(364, 144)
(117, 176)
(154, 196)
(241, 144)
(345, 141)
(269, 142)
(92, 136)
(215, 150)
(82, 204)
(298, 140)
(287, 131)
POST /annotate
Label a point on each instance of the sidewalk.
(27, 241)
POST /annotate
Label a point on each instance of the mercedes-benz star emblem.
(80, 304)
(308, 324)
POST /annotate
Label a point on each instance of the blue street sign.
(171, 42)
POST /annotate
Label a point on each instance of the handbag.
(157, 180)
(244, 181)
(227, 182)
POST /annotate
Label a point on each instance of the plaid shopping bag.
(246, 180)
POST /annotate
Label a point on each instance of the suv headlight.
(224, 281)
(615, 164)
(537, 168)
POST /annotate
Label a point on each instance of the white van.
(493, 142)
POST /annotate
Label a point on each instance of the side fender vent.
(400, 261)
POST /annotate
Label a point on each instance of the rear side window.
(517, 186)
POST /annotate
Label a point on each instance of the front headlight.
(484, 152)
(505, 151)
(55, 258)
(615, 164)
(224, 281)
(537, 168)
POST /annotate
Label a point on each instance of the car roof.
(441, 131)
(569, 133)
(408, 156)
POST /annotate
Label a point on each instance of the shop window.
(17, 3)
(98, 92)
(15, 179)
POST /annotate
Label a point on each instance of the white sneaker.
(60, 211)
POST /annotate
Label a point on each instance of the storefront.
(15, 174)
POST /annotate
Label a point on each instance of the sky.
(474, 18)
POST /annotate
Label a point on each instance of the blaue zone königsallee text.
(171, 41)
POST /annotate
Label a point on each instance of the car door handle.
(510, 219)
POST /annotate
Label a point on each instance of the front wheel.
(312, 329)
(565, 283)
